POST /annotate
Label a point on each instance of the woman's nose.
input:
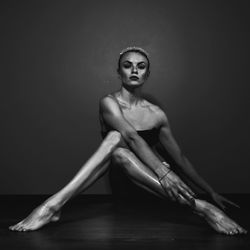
(134, 70)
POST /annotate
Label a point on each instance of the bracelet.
(166, 164)
(169, 170)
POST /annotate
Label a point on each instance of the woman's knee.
(113, 137)
(120, 155)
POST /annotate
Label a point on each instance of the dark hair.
(136, 50)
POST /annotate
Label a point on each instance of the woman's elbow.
(113, 138)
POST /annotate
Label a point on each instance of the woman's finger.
(167, 189)
(220, 204)
(182, 200)
(171, 195)
(186, 195)
(188, 189)
(175, 194)
(230, 202)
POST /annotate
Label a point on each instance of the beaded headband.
(134, 48)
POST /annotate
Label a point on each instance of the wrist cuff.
(162, 171)
(162, 177)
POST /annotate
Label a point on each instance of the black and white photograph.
(125, 124)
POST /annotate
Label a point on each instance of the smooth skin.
(123, 113)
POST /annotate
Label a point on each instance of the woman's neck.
(129, 96)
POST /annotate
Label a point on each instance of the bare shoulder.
(156, 110)
(107, 101)
(108, 104)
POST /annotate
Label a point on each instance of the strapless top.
(151, 136)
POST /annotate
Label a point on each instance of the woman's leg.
(144, 177)
(92, 170)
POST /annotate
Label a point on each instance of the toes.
(238, 230)
(15, 227)
(229, 230)
(241, 230)
(232, 232)
(19, 227)
(23, 229)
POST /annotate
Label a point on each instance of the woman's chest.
(140, 118)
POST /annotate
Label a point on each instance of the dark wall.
(59, 57)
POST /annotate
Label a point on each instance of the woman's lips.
(135, 78)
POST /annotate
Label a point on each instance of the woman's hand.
(176, 189)
(219, 200)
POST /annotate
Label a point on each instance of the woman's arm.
(113, 117)
(168, 141)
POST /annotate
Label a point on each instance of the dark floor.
(102, 222)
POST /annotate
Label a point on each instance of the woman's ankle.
(201, 207)
(53, 204)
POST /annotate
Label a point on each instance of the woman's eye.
(142, 66)
(126, 65)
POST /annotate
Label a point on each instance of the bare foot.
(218, 220)
(39, 217)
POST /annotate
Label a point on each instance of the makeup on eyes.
(140, 65)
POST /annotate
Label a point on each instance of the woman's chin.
(133, 84)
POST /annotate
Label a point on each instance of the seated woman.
(131, 127)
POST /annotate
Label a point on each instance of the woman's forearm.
(171, 146)
(146, 155)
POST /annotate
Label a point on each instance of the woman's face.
(133, 69)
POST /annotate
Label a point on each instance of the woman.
(131, 127)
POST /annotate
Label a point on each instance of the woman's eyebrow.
(127, 61)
